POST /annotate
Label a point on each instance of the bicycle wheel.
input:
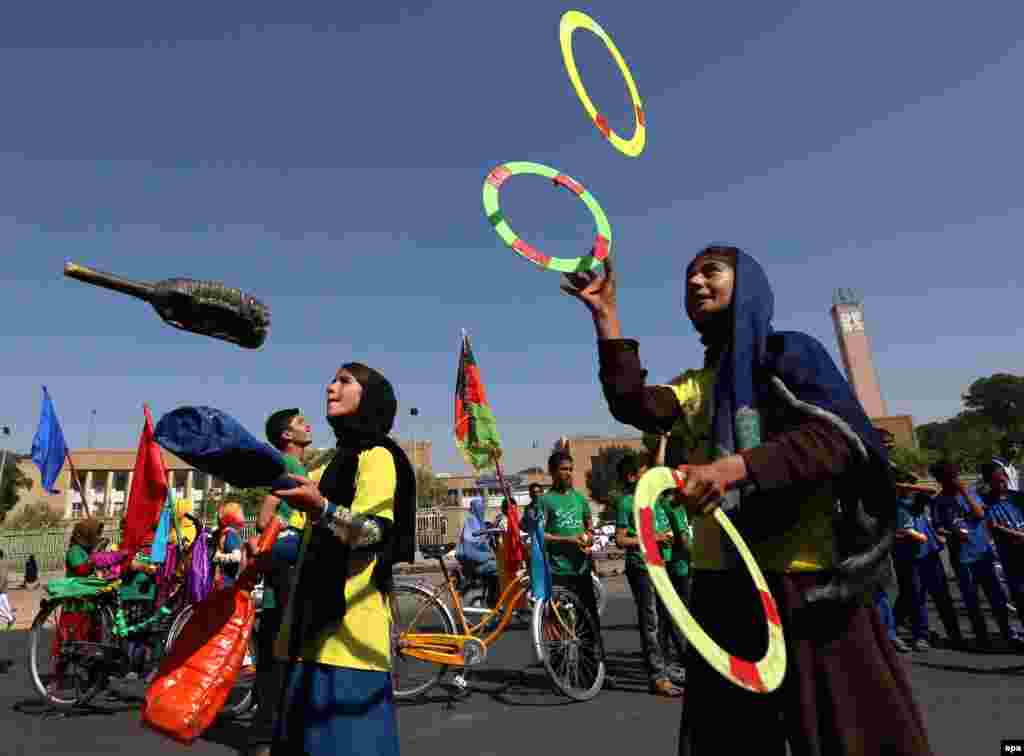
(566, 640)
(240, 699)
(415, 609)
(77, 671)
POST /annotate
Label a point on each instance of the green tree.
(603, 478)
(14, 481)
(430, 490)
(1000, 399)
(251, 500)
(969, 439)
(914, 460)
(34, 516)
(321, 458)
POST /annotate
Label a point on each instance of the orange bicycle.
(426, 640)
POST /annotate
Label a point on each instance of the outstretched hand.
(704, 488)
(305, 497)
(595, 290)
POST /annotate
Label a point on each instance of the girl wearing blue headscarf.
(474, 550)
(769, 430)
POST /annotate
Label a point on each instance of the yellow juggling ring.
(762, 676)
(571, 21)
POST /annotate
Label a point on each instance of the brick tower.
(848, 318)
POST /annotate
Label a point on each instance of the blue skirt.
(335, 710)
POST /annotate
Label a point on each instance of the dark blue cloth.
(885, 612)
(333, 710)
(286, 547)
(929, 578)
(757, 351)
(214, 442)
(906, 519)
(48, 447)
(232, 542)
(970, 576)
(755, 354)
(953, 513)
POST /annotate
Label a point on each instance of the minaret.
(848, 317)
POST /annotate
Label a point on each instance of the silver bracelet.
(355, 530)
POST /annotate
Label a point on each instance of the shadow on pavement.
(231, 733)
(1015, 670)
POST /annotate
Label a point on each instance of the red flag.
(149, 490)
(515, 552)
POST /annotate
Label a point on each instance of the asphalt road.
(970, 701)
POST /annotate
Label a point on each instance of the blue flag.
(48, 447)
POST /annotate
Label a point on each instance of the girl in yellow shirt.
(336, 632)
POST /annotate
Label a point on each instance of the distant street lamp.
(414, 412)
(6, 431)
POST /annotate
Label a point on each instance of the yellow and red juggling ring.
(571, 21)
(762, 676)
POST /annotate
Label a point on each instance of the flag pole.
(76, 482)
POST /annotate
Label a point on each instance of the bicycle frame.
(449, 648)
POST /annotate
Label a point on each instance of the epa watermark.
(1012, 746)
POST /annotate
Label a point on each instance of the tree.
(1000, 399)
(914, 460)
(430, 491)
(251, 500)
(603, 478)
(35, 516)
(13, 481)
(316, 459)
(969, 439)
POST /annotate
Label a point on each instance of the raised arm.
(651, 409)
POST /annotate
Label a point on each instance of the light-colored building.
(105, 477)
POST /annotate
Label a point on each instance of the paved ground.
(970, 701)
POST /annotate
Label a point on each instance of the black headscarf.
(320, 595)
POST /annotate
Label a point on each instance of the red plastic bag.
(196, 677)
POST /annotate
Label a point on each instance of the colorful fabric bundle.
(199, 579)
(214, 442)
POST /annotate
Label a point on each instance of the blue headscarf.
(473, 547)
(752, 356)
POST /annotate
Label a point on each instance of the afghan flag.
(148, 493)
(476, 432)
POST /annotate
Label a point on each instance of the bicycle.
(565, 635)
(89, 666)
(477, 599)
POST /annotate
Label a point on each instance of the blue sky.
(329, 158)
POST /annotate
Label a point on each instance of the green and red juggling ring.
(602, 241)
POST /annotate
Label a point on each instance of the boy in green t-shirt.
(566, 520)
(651, 615)
(288, 431)
(677, 564)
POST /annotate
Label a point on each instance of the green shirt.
(286, 513)
(76, 557)
(624, 519)
(678, 558)
(564, 515)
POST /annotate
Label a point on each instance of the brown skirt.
(846, 692)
